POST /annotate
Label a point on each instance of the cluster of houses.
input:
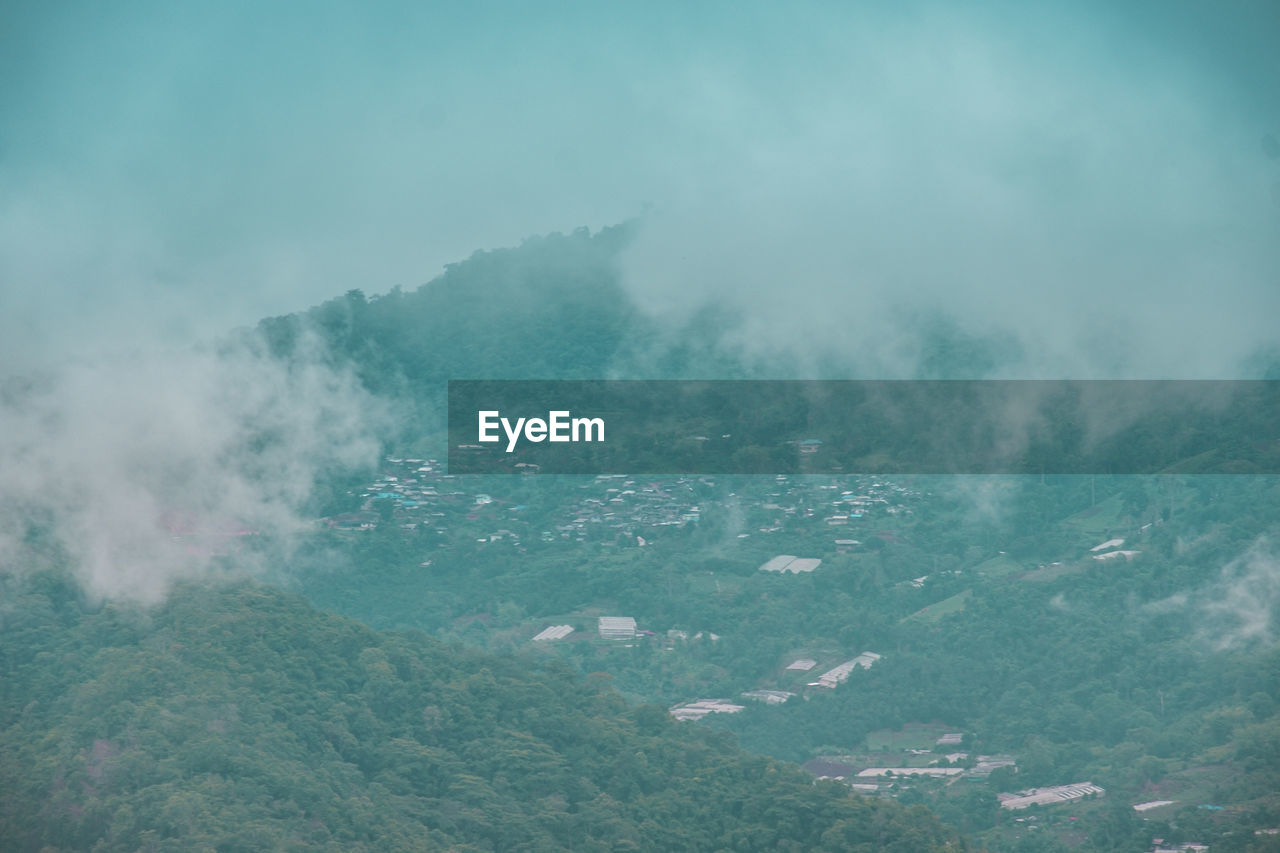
(617, 504)
(613, 509)
(614, 505)
(415, 492)
(955, 767)
(828, 680)
(410, 492)
(806, 500)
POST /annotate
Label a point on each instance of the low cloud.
(1237, 608)
(1241, 607)
(142, 469)
(1091, 216)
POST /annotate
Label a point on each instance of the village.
(807, 521)
(612, 509)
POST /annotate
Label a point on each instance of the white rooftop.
(839, 674)
(1046, 796)
(617, 623)
(1111, 555)
(554, 632)
(698, 710)
(769, 697)
(912, 771)
(791, 563)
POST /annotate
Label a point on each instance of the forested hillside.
(239, 719)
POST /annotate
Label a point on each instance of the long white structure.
(1048, 796)
(911, 771)
(617, 627)
(790, 563)
(840, 674)
(698, 710)
(554, 632)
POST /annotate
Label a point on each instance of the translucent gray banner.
(904, 427)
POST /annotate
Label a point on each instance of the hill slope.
(237, 718)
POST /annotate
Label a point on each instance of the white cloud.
(143, 469)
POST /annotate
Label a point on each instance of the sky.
(1089, 180)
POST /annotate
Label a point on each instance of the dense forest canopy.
(238, 718)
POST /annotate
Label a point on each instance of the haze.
(1090, 184)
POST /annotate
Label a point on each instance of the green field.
(997, 566)
(938, 609)
(910, 736)
(1107, 515)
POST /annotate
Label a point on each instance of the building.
(840, 674)
(790, 563)
(1111, 555)
(555, 632)
(769, 697)
(617, 627)
(1048, 796)
(698, 710)
(986, 763)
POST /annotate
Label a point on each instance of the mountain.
(1149, 668)
(1116, 629)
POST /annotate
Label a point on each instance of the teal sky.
(1090, 181)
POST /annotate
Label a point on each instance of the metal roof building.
(791, 563)
(617, 627)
